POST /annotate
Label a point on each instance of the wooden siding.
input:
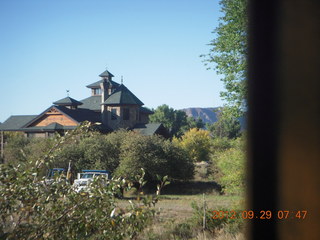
(54, 116)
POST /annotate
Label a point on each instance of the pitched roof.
(106, 73)
(14, 123)
(80, 114)
(67, 101)
(97, 84)
(50, 128)
(53, 126)
(147, 129)
(92, 103)
(145, 110)
(123, 96)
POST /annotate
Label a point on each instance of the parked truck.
(54, 173)
(86, 176)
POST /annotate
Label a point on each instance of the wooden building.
(111, 104)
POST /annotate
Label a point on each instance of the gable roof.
(67, 101)
(123, 96)
(146, 110)
(97, 84)
(77, 115)
(81, 114)
(50, 128)
(14, 123)
(148, 129)
(53, 126)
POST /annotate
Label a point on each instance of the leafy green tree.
(15, 149)
(154, 154)
(231, 164)
(193, 123)
(100, 153)
(163, 114)
(32, 209)
(227, 126)
(176, 121)
(229, 52)
(197, 142)
(172, 119)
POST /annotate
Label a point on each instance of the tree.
(229, 53)
(176, 121)
(193, 123)
(227, 126)
(197, 142)
(35, 210)
(156, 156)
(15, 149)
(231, 164)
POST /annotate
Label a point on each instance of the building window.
(113, 114)
(97, 91)
(126, 114)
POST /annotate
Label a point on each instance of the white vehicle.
(86, 176)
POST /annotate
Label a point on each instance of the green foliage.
(193, 123)
(15, 149)
(227, 125)
(122, 152)
(229, 53)
(175, 120)
(197, 143)
(214, 223)
(182, 231)
(231, 164)
(32, 209)
(154, 154)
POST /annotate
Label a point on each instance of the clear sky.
(49, 46)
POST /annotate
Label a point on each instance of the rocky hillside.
(206, 114)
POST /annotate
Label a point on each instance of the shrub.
(231, 164)
(31, 209)
(182, 231)
(197, 143)
(154, 154)
(232, 225)
(15, 148)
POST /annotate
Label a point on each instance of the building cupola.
(68, 102)
(106, 75)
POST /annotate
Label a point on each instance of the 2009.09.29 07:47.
(281, 214)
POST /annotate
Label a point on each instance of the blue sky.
(47, 47)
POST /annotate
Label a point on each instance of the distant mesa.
(208, 115)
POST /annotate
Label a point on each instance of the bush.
(182, 231)
(197, 143)
(154, 154)
(231, 225)
(231, 164)
(31, 209)
(15, 148)
(122, 152)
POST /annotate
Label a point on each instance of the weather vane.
(68, 92)
(121, 79)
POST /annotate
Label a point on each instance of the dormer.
(68, 102)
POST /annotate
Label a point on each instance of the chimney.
(104, 95)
